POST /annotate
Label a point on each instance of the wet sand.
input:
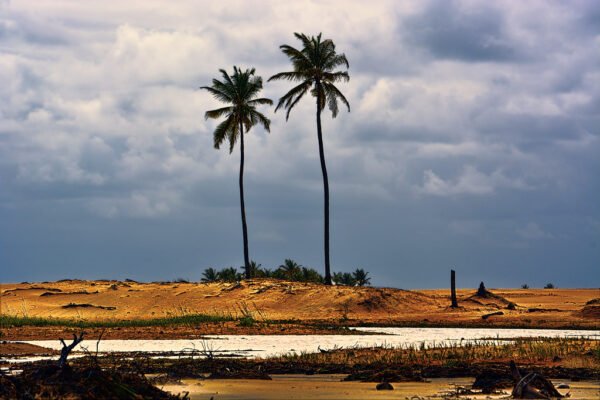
(324, 387)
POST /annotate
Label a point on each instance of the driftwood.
(64, 353)
(524, 388)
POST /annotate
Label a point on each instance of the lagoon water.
(272, 345)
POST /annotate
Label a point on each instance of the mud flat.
(330, 387)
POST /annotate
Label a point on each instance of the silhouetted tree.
(314, 69)
(289, 270)
(210, 275)
(311, 275)
(360, 277)
(230, 274)
(253, 271)
(239, 91)
(344, 278)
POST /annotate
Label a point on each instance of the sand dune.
(280, 300)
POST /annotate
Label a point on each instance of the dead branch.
(64, 353)
(524, 387)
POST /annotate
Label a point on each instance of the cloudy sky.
(473, 141)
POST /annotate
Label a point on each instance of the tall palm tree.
(314, 68)
(239, 91)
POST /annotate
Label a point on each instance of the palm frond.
(224, 130)
(337, 60)
(291, 98)
(336, 76)
(260, 118)
(262, 100)
(218, 113)
(290, 76)
(218, 94)
(333, 94)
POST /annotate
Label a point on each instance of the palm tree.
(229, 274)
(239, 91)
(361, 277)
(290, 270)
(314, 69)
(254, 269)
(210, 275)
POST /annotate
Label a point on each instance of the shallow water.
(329, 387)
(272, 345)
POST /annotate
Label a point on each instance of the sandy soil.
(302, 302)
(8, 349)
(330, 387)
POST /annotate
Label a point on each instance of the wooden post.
(453, 288)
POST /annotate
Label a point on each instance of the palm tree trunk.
(325, 191)
(242, 206)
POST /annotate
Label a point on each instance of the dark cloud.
(472, 142)
(453, 30)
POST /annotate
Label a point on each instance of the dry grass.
(575, 352)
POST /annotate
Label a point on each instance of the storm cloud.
(472, 144)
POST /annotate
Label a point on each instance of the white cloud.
(469, 182)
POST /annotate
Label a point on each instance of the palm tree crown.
(314, 67)
(240, 91)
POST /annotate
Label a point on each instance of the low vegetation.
(290, 270)
(557, 358)
(580, 352)
(188, 320)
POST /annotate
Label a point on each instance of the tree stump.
(482, 291)
(64, 353)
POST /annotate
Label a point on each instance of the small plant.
(549, 286)
(345, 310)
(246, 321)
(524, 286)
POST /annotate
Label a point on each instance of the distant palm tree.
(229, 274)
(314, 69)
(254, 270)
(361, 277)
(290, 270)
(311, 275)
(240, 91)
(210, 275)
